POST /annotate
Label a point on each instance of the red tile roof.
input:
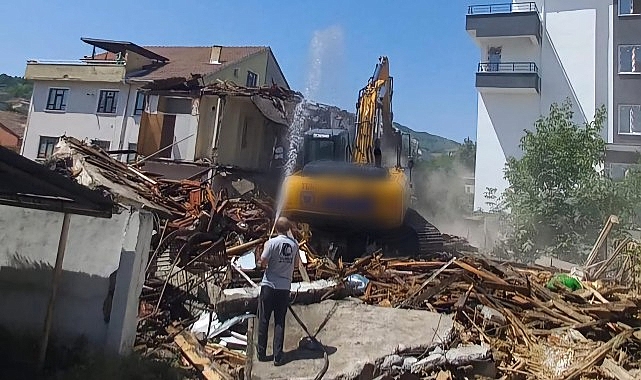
(187, 60)
(14, 122)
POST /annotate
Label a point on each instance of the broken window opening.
(47, 144)
(252, 79)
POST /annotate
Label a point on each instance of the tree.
(559, 195)
(467, 154)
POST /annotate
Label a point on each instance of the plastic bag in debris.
(356, 284)
(217, 327)
(565, 280)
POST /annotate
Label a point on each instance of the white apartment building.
(100, 98)
(533, 54)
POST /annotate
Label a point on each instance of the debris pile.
(511, 320)
(534, 323)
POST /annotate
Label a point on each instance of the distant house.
(12, 125)
(105, 97)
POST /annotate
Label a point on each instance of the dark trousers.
(276, 301)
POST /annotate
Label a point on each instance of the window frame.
(619, 60)
(630, 126)
(249, 72)
(44, 156)
(132, 157)
(65, 97)
(628, 14)
(138, 111)
(114, 105)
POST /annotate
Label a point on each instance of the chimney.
(214, 58)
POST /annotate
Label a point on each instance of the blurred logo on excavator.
(307, 198)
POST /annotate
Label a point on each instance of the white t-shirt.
(280, 253)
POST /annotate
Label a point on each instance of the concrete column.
(129, 280)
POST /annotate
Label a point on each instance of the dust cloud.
(442, 200)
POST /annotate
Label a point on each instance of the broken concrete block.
(408, 362)
(466, 354)
(493, 315)
(428, 364)
(392, 360)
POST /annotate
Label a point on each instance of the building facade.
(533, 54)
(102, 97)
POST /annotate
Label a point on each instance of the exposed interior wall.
(246, 137)
(80, 119)
(96, 248)
(206, 125)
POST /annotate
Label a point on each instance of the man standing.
(280, 255)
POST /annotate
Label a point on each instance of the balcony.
(508, 77)
(94, 70)
(504, 20)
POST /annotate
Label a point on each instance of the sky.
(326, 49)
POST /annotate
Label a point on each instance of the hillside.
(428, 142)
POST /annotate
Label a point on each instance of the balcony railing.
(508, 67)
(502, 8)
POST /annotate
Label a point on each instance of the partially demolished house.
(100, 99)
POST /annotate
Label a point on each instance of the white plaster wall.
(80, 119)
(185, 128)
(517, 49)
(96, 248)
(502, 118)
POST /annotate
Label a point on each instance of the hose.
(323, 370)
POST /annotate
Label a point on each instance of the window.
(630, 59)
(108, 101)
(252, 79)
(45, 150)
(131, 157)
(629, 7)
(630, 119)
(57, 100)
(103, 144)
(140, 103)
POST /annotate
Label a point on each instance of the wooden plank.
(195, 354)
(481, 273)
(610, 367)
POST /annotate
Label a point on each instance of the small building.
(99, 98)
(12, 125)
(88, 289)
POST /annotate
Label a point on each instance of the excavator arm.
(374, 117)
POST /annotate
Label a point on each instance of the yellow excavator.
(355, 193)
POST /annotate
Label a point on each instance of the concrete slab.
(355, 335)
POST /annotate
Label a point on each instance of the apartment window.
(45, 149)
(140, 103)
(103, 144)
(108, 101)
(629, 7)
(57, 99)
(252, 79)
(630, 119)
(131, 157)
(630, 59)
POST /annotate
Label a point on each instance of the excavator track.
(430, 239)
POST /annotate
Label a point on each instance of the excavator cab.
(326, 145)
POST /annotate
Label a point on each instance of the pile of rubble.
(510, 320)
